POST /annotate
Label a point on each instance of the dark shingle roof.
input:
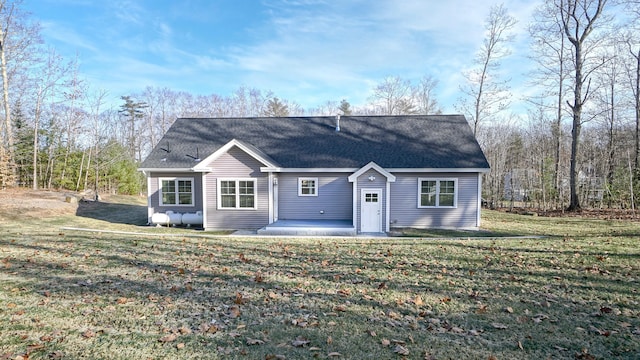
(432, 141)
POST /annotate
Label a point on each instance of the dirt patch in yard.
(16, 204)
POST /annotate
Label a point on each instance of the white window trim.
(176, 179)
(438, 180)
(314, 179)
(219, 195)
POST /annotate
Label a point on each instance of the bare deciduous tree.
(394, 96)
(425, 96)
(487, 94)
(550, 53)
(578, 19)
(6, 18)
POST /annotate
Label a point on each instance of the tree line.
(578, 143)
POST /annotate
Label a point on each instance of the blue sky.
(307, 51)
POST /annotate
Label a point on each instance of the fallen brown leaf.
(240, 299)
(122, 300)
(258, 277)
(401, 350)
(234, 311)
(56, 355)
(340, 308)
(254, 341)
(168, 338)
(300, 342)
(275, 356)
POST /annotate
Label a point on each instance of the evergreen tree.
(23, 146)
(345, 107)
(276, 108)
(133, 112)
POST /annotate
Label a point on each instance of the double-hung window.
(437, 193)
(237, 194)
(176, 191)
(307, 186)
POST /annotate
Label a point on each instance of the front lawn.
(71, 294)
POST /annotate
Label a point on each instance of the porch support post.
(271, 198)
(204, 200)
(149, 211)
(388, 207)
(355, 205)
(479, 206)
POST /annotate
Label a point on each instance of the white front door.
(371, 210)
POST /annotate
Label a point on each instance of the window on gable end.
(237, 194)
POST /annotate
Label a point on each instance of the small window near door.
(307, 186)
(371, 197)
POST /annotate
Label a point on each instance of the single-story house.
(360, 174)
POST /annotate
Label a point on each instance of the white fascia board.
(307, 170)
(202, 169)
(439, 170)
(202, 166)
(164, 170)
(372, 165)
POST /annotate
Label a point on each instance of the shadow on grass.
(116, 213)
(445, 233)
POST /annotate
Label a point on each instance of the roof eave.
(148, 170)
(439, 170)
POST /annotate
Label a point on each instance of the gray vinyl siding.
(380, 182)
(404, 203)
(154, 187)
(236, 164)
(334, 198)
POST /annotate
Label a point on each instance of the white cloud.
(68, 36)
(306, 51)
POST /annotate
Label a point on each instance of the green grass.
(72, 294)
